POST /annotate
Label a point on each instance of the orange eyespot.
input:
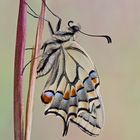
(94, 80)
(45, 98)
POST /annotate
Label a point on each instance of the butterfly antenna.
(50, 10)
(109, 40)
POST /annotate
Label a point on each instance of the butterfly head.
(73, 27)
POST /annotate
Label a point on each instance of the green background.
(118, 65)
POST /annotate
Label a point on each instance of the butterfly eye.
(76, 28)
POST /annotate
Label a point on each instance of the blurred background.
(118, 65)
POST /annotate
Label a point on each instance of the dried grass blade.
(32, 80)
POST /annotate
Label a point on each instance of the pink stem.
(18, 67)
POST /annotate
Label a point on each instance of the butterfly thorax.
(60, 37)
(63, 36)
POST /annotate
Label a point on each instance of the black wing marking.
(47, 61)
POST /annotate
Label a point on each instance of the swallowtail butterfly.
(72, 85)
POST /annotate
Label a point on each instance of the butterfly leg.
(58, 24)
(55, 15)
(29, 63)
(35, 15)
(29, 49)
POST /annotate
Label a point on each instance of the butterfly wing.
(49, 60)
(74, 93)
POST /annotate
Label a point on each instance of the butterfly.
(72, 88)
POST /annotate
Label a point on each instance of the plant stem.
(32, 79)
(18, 67)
